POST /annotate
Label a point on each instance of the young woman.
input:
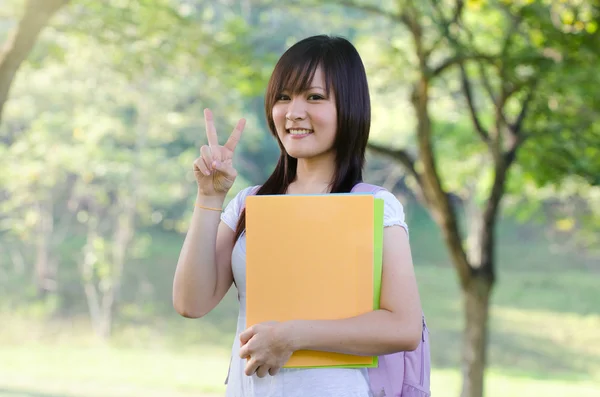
(318, 108)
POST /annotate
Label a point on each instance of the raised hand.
(214, 169)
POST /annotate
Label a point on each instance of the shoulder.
(240, 197)
(393, 210)
(231, 214)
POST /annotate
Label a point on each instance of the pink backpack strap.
(366, 188)
(402, 374)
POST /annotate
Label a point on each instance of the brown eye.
(282, 97)
(315, 97)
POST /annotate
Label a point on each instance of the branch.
(401, 156)
(501, 168)
(517, 136)
(516, 127)
(445, 23)
(458, 9)
(437, 198)
(466, 86)
(20, 43)
(492, 206)
(461, 53)
(459, 59)
(369, 9)
(511, 154)
(510, 34)
(486, 84)
(411, 20)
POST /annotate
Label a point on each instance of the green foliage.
(108, 109)
(540, 56)
(563, 118)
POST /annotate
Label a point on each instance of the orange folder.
(310, 257)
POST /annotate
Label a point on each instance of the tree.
(37, 14)
(83, 165)
(499, 53)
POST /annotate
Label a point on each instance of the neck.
(314, 175)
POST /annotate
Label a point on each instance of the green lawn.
(67, 370)
(544, 341)
(545, 330)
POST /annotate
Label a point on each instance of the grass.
(65, 370)
(68, 370)
(544, 337)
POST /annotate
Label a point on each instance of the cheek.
(332, 122)
(328, 117)
(278, 114)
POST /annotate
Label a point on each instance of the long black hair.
(345, 74)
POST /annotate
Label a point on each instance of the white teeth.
(299, 132)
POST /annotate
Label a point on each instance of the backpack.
(402, 374)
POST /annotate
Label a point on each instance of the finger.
(211, 132)
(199, 164)
(245, 351)
(251, 367)
(225, 168)
(274, 371)
(235, 136)
(207, 157)
(246, 335)
(262, 371)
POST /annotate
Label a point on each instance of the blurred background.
(485, 124)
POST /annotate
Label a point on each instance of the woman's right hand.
(214, 169)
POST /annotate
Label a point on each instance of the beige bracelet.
(209, 208)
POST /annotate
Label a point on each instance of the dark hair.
(343, 72)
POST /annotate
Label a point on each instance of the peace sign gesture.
(214, 168)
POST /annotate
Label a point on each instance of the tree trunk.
(121, 241)
(87, 276)
(45, 266)
(476, 300)
(17, 258)
(20, 43)
(107, 310)
(103, 298)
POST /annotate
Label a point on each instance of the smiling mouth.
(299, 132)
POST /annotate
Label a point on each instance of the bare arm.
(203, 275)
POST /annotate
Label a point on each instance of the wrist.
(292, 332)
(210, 201)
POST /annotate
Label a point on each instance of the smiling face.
(321, 86)
(306, 121)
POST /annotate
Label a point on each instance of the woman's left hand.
(267, 348)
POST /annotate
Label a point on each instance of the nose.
(296, 109)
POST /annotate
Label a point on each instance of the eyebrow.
(309, 88)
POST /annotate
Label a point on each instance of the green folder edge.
(377, 271)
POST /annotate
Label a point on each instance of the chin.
(300, 154)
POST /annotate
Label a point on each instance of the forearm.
(196, 273)
(375, 333)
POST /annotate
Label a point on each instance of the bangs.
(295, 75)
